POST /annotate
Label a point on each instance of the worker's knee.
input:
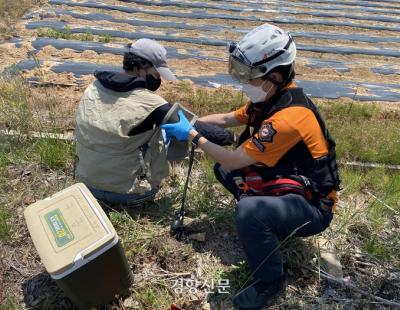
(246, 217)
(258, 213)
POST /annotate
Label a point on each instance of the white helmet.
(260, 51)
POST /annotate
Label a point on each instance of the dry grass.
(365, 234)
(157, 259)
(24, 108)
(10, 12)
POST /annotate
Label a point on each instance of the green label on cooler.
(59, 227)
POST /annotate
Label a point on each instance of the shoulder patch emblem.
(266, 133)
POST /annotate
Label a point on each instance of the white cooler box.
(79, 247)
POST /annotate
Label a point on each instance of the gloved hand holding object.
(166, 139)
(179, 130)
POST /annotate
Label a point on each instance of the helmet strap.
(278, 84)
(281, 85)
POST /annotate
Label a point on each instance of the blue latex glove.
(179, 130)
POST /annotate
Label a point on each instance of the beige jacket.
(109, 159)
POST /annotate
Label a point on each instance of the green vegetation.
(87, 36)
(55, 153)
(15, 111)
(22, 155)
(4, 225)
(67, 34)
(372, 209)
(382, 183)
(30, 170)
(9, 304)
(49, 153)
(208, 197)
(364, 132)
(105, 38)
(34, 168)
(153, 296)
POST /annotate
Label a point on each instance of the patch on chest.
(266, 132)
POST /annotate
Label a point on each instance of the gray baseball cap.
(156, 54)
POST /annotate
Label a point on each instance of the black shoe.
(260, 294)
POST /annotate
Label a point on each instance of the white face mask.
(255, 93)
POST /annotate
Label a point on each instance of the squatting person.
(121, 156)
(284, 173)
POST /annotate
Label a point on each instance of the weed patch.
(55, 154)
(105, 38)
(64, 33)
(67, 34)
(4, 225)
(9, 304)
(364, 132)
(25, 109)
(15, 111)
(373, 211)
(49, 153)
(153, 296)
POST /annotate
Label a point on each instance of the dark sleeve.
(215, 133)
(154, 119)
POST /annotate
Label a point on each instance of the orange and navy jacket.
(280, 132)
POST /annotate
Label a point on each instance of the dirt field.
(342, 53)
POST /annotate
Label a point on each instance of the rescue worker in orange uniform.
(284, 173)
